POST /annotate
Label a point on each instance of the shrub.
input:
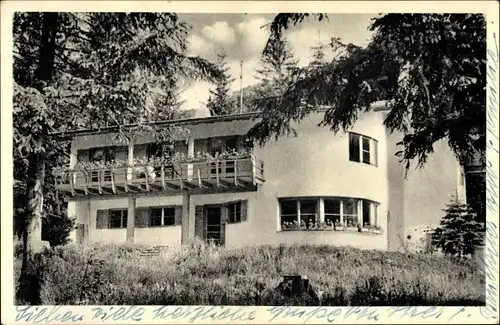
(460, 233)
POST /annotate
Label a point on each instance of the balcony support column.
(190, 155)
(130, 159)
(131, 219)
(185, 222)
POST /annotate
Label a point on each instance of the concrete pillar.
(190, 154)
(185, 229)
(92, 220)
(131, 219)
(130, 158)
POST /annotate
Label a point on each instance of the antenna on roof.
(241, 86)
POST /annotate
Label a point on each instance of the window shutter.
(178, 215)
(142, 217)
(244, 210)
(102, 219)
(199, 226)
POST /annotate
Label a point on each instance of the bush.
(56, 229)
(460, 232)
(204, 275)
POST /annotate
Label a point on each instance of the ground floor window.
(162, 216)
(234, 212)
(342, 212)
(118, 218)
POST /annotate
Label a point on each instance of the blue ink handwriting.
(128, 313)
(204, 313)
(37, 315)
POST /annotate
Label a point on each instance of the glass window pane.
(155, 220)
(353, 147)
(308, 219)
(231, 144)
(366, 212)
(332, 206)
(169, 220)
(366, 144)
(332, 218)
(289, 207)
(97, 155)
(350, 207)
(366, 157)
(110, 154)
(308, 206)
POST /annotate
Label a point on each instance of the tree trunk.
(29, 281)
(31, 270)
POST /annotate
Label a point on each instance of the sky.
(243, 39)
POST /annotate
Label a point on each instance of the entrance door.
(214, 225)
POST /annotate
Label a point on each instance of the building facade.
(344, 189)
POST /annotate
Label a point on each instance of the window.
(118, 218)
(289, 212)
(348, 212)
(332, 211)
(354, 147)
(363, 149)
(154, 150)
(234, 212)
(366, 212)
(301, 211)
(102, 156)
(162, 217)
(307, 209)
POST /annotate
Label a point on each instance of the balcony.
(197, 177)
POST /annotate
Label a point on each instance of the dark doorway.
(214, 227)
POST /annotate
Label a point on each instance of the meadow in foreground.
(205, 275)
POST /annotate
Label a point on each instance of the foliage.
(220, 101)
(460, 232)
(57, 228)
(208, 275)
(475, 189)
(277, 66)
(430, 67)
(74, 70)
(318, 55)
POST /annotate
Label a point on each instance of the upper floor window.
(118, 218)
(363, 149)
(162, 216)
(102, 155)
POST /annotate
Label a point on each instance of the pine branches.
(460, 232)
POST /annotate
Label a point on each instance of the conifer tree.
(277, 66)
(220, 101)
(460, 232)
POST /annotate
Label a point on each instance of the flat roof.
(376, 106)
(186, 121)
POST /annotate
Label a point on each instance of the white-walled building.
(316, 188)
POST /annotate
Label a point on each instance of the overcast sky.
(243, 38)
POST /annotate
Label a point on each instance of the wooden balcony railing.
(242, 174)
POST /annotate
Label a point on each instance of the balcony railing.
(240, 174)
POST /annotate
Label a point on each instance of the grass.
(204, 275)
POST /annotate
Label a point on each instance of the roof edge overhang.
(378, 106)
